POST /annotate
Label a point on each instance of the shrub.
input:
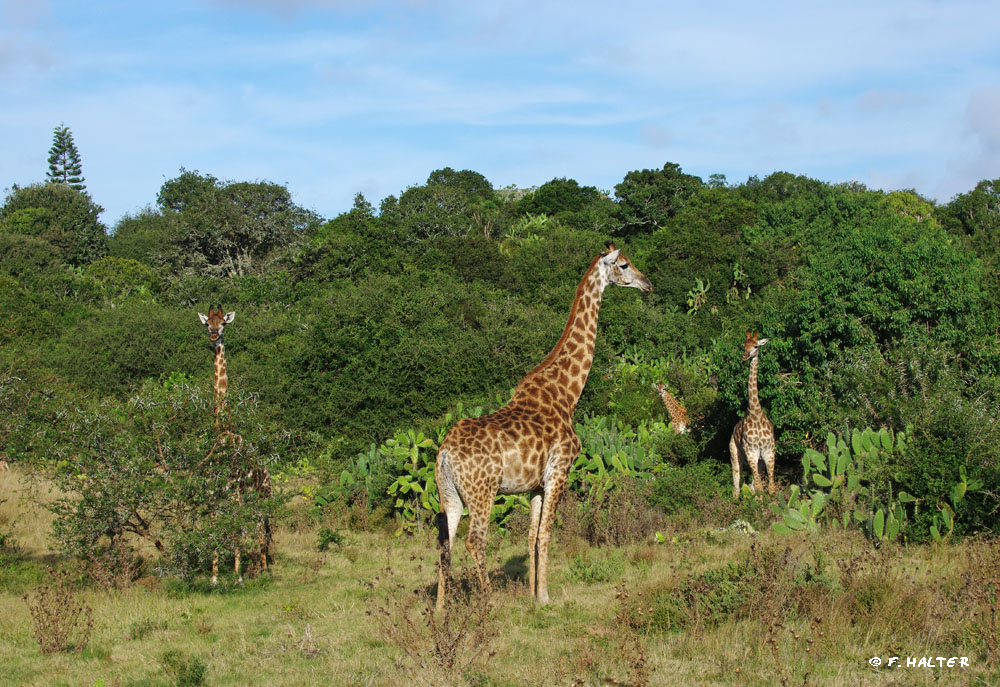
(187, 671)
(685, 490)
(60, 621)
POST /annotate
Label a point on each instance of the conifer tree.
(64, 160)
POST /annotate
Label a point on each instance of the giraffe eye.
(623, 266)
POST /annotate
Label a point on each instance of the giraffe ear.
(611, 256)
(761, 342)
(230, 316)
(204, 320)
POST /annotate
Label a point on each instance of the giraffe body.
(528, 445)
(242, 479)
(752, 442)
(678, 413)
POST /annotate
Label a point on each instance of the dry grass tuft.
(438, 645)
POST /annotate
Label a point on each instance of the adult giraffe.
(753, 436)
(528, 445)
(242, 479)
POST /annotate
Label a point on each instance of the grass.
(707, 608)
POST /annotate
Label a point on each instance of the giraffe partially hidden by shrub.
(678, 413)
(243, 479)
(528, 445)
(753, 437)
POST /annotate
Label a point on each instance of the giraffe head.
(751, 347)
(659, 388)
(616, 268)
(216, 322)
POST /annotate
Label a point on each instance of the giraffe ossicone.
(752, 442)
(529, 445)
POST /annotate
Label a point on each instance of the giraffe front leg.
(215, 568)
(549, 503)
(734, 458)
(236, 565)
(536, 517)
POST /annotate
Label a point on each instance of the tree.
(450, 204)
(60, 215)
(648, 198)
(64, 160)
(227, 228)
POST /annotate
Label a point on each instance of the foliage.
(851, 486)
(63, 217)
(64, 160)
(221, 228)
(580, 207)
(118, 279)
(328, 537)
(648, 198)
(881, 307)
(186, 670)
(178, 492)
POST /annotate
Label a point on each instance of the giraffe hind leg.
(734, 458)
(447, 523)
(536, 517)
(754, 459)
(769, 463)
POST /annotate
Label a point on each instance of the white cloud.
(982, 118)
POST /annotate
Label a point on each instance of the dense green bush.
(881, 308)
(156, 468)
(65, 218)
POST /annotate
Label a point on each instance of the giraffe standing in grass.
(678, 414)
(752, 442)
(528, 445)
(242, 479)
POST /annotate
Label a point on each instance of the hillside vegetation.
(358, 340)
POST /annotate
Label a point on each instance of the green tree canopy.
(60, 215)
(218, 228)
(649, 197)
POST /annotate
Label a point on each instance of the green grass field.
(706, 607)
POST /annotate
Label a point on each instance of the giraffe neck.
(221, 379)
(559, 379)
(753, 407)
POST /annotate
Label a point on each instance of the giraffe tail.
(444, 537)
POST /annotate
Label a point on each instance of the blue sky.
(333, 97)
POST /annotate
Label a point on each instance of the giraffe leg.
(451, 513)
(734, 459)
(769, 462)
(536, 517)
(475, 542)
(236, 565)
(215, 568)
(753, 458)
(549, 503)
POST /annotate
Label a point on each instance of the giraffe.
(678, 414)
(528, 445)
(242, 479)
(753, 436)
